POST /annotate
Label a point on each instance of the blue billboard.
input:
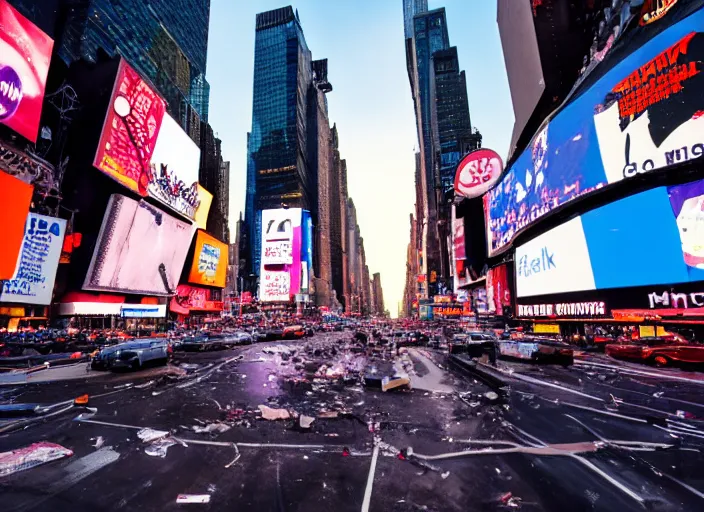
(645, 113)
(651, 238)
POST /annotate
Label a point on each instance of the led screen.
(645, 113)
(33, 281)
(498, 294)
(15, 197)
(655, 237)
(174, 169)
(282, 248)
(25, 53)
(140, 249)
(205, 199)
(210, 258)
(130, 131)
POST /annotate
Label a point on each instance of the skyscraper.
(166, 41)
(278, 171)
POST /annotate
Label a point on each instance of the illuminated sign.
(641, 115)
(25, 54)
(205, 199)
(33, 281)
(653, 10)
(15, 197)
(563, 309)
(477, 173)
(284, 250)
(275, 286)
(130, 131)
(210, 257)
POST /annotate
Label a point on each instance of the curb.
(484, 373)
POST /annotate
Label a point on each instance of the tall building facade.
(166, 41)
(279, 173)
(379, 308)
(439, 92)
(214, 176)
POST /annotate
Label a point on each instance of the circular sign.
(477, 173)
(10, 92)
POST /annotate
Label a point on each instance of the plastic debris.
(306, 421)
(160, 447)
(444, 475)
(31, 456)
(81, 400)
(510, 500)
(269, 413)
(193, 498)
(491, 395)
(99, 442)
(213, 427)
(149, 435)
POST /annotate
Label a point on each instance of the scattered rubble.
(193, 498)
(31, 456)
(306, 421)
(271, 414)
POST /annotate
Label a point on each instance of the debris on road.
(31, 456)
(193, 498)
(159, 447)
(211, 428)
(269, 413)
(99, 442)
(306, 421)
(388, 383)
(149, 435)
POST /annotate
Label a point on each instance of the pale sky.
(370, 102)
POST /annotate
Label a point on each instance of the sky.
(370, 103)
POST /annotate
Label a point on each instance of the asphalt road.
(284, 467)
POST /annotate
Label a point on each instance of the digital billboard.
(210, 258)
(643, 114)
(498, 293)
(25, 54)
(175, 162)
(33, 281)
(651, 238)
(192, 298)
(281, 275)
(205, 199)
(140, 249)
(306, 250)
(15, 197)
(130, 131)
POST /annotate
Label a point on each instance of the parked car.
(242, 338)
(132, 355)
(293, 332)
(473, 343)
(543, 350)
(660, 350)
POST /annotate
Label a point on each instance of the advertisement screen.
(25, 53)
(209, 266)
(498, 294)
(306, 249)
(654, 237)
(15, 197)
(644, 114)
(190, 298)
(174, 169)
(33, 282)
(477, 173)
(130, 131)
(282, 253)
(205, 199)
(140, 249)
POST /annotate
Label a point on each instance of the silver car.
(132, 355)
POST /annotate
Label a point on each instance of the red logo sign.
(477, 173)
(129, 134)
(25, 53)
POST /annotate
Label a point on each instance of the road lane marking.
(370, 480)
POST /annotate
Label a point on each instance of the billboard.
(33, 281)
(205, 199)
(15, 197)
(191, 298)
(174, 169)
(282, 253)
(498, 294)
(130, 131)
(25, 54)
(477, 173)
(306, 249)
(210, 258)
(643, 114)
(651, 238)
(140, 249)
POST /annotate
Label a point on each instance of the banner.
(33, 281)
(498, 294)
(25, 54)
(477, 173)
(275, 286)
(284, 250)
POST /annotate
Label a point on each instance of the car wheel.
(135, 365)
(661, 361)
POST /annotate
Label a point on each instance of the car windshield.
(343, 255)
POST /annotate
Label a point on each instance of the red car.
(661, 350)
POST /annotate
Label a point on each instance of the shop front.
(194, 306)
(103, 311)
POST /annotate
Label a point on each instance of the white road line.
(370, 480)
(635, 371)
